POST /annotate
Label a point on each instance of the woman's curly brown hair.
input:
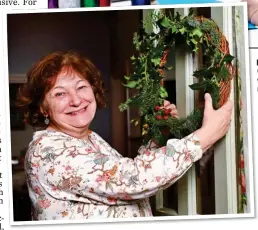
(42, 77)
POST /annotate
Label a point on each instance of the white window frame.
(225, 150)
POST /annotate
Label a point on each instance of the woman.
(72, 173)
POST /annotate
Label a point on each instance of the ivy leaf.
(155, 61)
(197, 32)
(182, 30)
(135, 38)
(194, 41)
(165, 22)
(195, 49)
(131, 84)
(133, 58)
(162, 92)
(174, 29)
(123, 106)
(168, 67)
(158, 50)
(127, 78)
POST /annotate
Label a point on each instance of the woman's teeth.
(80, 111)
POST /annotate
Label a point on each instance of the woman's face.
(71, 103)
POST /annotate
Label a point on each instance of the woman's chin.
(81, 124)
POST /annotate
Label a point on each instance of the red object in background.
(104, 3)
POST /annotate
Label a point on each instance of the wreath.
(150, 62)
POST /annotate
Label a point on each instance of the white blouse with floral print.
(70, 178)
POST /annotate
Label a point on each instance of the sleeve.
(70, 167)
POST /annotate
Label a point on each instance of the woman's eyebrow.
(81, 80)
(58, 87)
(84, 81)
(62, 87)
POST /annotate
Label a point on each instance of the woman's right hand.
(215, 123)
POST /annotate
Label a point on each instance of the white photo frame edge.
(6, 135)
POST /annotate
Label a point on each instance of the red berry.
(157, 108)
(165, 117)
(166, 111)
(159, 117)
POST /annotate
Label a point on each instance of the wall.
(122, 27)
(31, 36)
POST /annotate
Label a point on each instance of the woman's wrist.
(205, 139)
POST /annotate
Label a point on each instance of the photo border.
(6, 129)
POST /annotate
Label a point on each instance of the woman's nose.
(75, 100)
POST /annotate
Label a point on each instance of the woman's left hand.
(172, 108)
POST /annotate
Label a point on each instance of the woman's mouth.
(74, 113)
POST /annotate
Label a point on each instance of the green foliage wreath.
(150, 61)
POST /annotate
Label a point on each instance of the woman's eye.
(60, 94)
(82, 87)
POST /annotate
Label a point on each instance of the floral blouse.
(70, 178)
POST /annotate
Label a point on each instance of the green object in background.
(90, 3)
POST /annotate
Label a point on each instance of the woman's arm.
(66, 166)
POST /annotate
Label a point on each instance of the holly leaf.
(213, 89)
(228, 58)
(203, 73)
(199, 85)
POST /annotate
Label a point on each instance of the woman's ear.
(43, 110)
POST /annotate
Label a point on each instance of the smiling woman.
(58, 81)
(72, 173)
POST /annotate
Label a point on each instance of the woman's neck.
(74, 132)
